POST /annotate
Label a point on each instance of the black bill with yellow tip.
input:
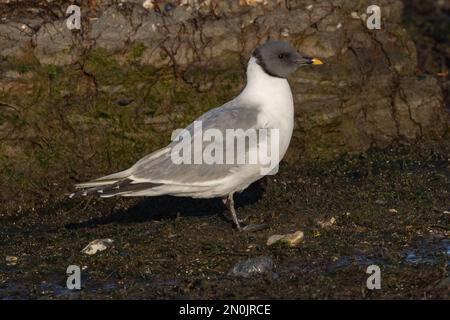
(308, 60)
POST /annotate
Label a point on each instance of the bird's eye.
(281, 56)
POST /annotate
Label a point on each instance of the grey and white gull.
(266, 102)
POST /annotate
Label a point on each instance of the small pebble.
(355, 15)
(326, 224)
(97, 246)
(285, 32)
(148, 4)
(393, 211)
(380, 202)
(124, 102)
(250, 2)
(292, 239)
(252, 267)
(169, 7)
(11, 260)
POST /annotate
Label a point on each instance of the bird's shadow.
(169, 207)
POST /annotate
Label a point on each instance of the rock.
(274, 238)
(54, 43)
(250, 2)
(97, 246)
(169, 6)
(326, 224)
(15, 38)
(292, 239)
(393, 211)
(148, 4)
(148, 35)
(124, 102)
(13, 75)
(11, 260)
(355, 15)
(380, 202)
(413, 104)
(252, 267)
(111, 31)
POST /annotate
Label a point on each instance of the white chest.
(274, 97)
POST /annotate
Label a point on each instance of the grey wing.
(158, 170)
(162, 169)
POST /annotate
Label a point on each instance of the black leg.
(229, 203)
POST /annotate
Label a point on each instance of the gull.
(266, 103)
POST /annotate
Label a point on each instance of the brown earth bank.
(83, 103)
(367, 177)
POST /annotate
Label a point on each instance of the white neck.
(264, 88)
(273, 97)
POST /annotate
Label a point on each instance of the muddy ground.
(183, 248)
(391, 207)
